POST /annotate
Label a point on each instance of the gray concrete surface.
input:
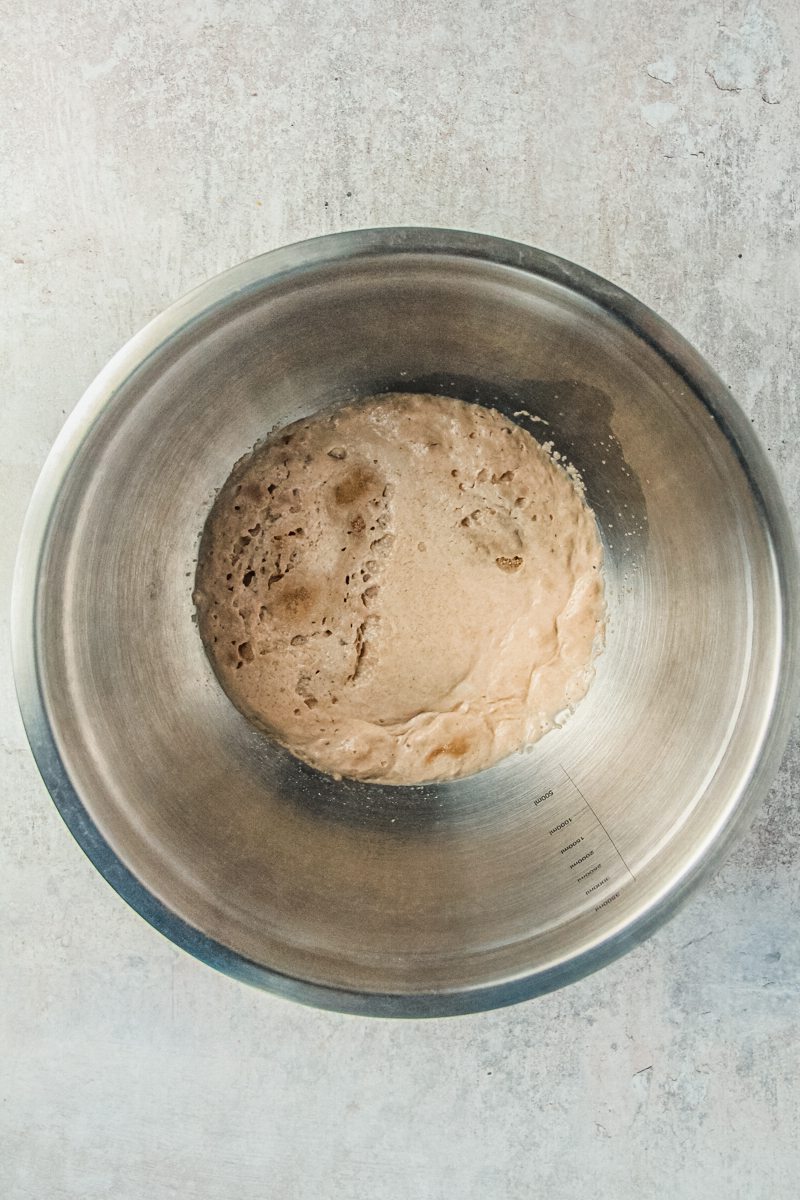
(147, 146)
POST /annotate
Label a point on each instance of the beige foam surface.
(403, 589)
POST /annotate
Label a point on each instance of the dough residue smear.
(404, 589)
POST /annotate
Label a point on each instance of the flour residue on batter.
(404, 589)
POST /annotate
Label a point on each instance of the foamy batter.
(404, 589)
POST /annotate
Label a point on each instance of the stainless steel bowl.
(443, 898)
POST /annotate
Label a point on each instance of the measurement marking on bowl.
(599, 822)
(584, 852)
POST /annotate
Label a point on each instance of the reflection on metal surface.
(441, 898)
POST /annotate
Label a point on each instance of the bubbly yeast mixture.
(404, 589)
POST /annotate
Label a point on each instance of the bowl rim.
(292, 261)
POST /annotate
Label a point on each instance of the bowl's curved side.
(293, 261)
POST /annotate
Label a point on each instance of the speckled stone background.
(146, 146)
